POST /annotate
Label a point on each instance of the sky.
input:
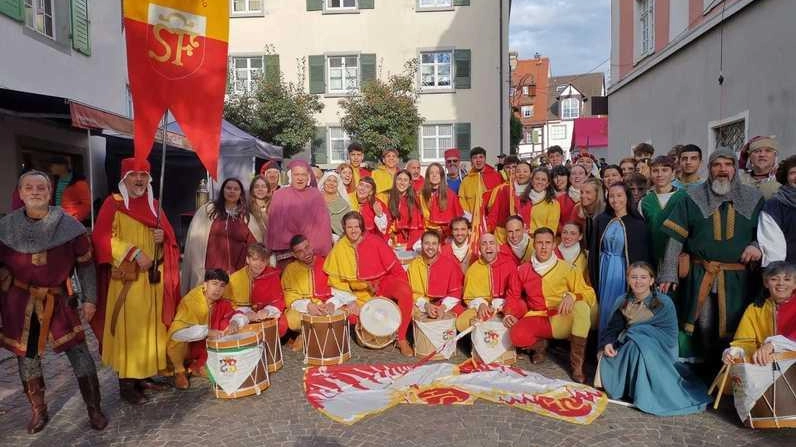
(574, 34)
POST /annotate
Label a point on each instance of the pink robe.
(302, 212)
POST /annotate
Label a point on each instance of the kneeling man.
(436, 279)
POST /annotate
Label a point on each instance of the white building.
(462, 46)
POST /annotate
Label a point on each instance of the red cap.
(270, 164)
(453, 153)
(134, 165)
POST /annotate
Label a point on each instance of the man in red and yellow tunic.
(364, 266)
(481, 180)
(138, 261)
(549, 298)
(485, 283)
(436, 279)
(458, 246)
(518, 247)
(356, 155)
(39, 247)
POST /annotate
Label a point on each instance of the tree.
(277, 111)
(515, 133)
(384, 114)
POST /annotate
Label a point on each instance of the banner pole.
(162, 167)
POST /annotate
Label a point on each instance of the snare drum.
(776, 408)
(269, 328)
(236, 365)
(378, 324)
(491, 343)
(431, 334)
(327, 340)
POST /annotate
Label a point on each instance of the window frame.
(33, 6)
(452, 74)
(329, 141)
(248, 12)
(250, 82)
(645, 32)
(558, 127)
(526, 108)
(567, 100)
(328, 74)
(714, 126)
(439, 149)
(526, 90)
(420, 8)
(340, 9)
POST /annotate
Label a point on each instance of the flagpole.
(162, 167)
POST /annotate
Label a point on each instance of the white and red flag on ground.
(177, 60)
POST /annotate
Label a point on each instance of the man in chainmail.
(40, 246)
(716, 222)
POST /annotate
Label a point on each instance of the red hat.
(270, 164)
(134, 165)
(453, 153)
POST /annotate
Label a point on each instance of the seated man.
(363, 265)
(307, 289)
(458, 246)
(436, 279)
(485, 283)
(518, 247)
(548, 298)
(202, 313)
(256, 289)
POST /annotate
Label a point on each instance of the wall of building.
(676, 101)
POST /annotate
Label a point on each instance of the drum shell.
(781, 396)
(327, 339)
(370, 340)
(423, 345)
(256, 384)
(269, 328)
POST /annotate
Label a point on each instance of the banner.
(349, 393)
(177, 60)
(229, 368)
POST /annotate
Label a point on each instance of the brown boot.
(539, 351)
(181, 381)
(34, 389)
(298, 343)
(405, 348)
(151, 385)
(577, 350)
(129, 392)
(90, 390)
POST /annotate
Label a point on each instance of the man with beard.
(436, 279)
(518, 247)
(458, 246)
(762, 153)
(717, 222)
(453, 169)
(413, 166)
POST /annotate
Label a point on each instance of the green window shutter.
(271, 67)
(366, 4)
(230, 73)
(13, 9)
(461, 2)
(81, 40)
(367, 68)
(319, 150)
(317, 74)
(461, 59)
(314, 5)
(462, 131)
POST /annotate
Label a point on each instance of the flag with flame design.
(177, 60)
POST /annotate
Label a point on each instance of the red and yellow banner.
(177, 60)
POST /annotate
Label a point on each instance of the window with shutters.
(436, 69)
(343, 74)
(246, 70)
(39, 17)
(338, 145)
(434, 4)
(435, 140)
(340, 5)
(247, 6)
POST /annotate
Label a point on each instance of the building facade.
(336, 45)
(711, 73)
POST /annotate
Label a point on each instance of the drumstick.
(721, 388)
(716, 380)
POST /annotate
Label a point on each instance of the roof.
(588, 84)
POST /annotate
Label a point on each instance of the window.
(437, 138)
(512, 92)
(558, 132)
(527, 111)
(646, 26)
(435, 69)
(245, 73)
(39, 17)
(435, 3)
(560, 89)
(526, 90)
(246, 6)
(570, 108)
(731, 135)
(536, 135)
(343, 74)
(528, 137)
(341, 4)
(338, 144)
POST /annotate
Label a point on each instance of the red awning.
(590, 132)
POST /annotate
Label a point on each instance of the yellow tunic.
(192, 310)
(564, 278)
(239, 288)
(138, 349)
(756, 325)
(297, 283)
(545, 214)
(471, 191)
(383, 179)
(343, 255)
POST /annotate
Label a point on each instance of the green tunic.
(654, 216)
(721, 237)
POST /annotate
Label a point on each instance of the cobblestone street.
(282, 417)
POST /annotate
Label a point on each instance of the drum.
(378, 324)
(432, 333)
(236, 365)
(269, 328)
(491, 343)
(327, 340)
(776, 408)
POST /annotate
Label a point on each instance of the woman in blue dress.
(638, 352)
(620, 239)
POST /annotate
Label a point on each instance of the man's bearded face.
(722, 172)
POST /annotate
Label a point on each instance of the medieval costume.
(304, 284)
(464, 255)
(655, 208)
(383, 178)
(475, 185)
(575, 256)
(777, 225)
(437, 218)
(437, 281)
(539, 212)
(520, 253)
(338, 206)
(503, 202)
(485, 284)
(376, 225)
(407, 226)
(261, 293)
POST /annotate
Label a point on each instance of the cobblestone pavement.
(282, 417)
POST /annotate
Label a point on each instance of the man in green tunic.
(658, 202)
(716, 222)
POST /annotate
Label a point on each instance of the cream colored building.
(337, 44)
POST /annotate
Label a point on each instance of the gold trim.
(730, 221)
(670, 224)
(77, 330)
(717, 225)
(722, 305)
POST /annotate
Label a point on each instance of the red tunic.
(567, 209)
(221, 313)
(407, 228)
(435, 217)
(226, 244)
(503, 202)
(445, 278)
(417, 184)
(469, 258)
(525, 292)
(267, 290)
(366, 209)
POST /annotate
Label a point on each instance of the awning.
(590, 133)
(87, 117)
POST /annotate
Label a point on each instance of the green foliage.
(277, 111)
(384, 115)
(515, 131)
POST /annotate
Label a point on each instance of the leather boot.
(539, 351)
(34, 389)
(151, 384)
(577, 351)
(128, 392)
(90, 390)
(181, 381)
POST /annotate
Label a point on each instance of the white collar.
(543, 267)
(460, 252)
(569, 253)
(519, 249)
(536, 197)
(574, 194)
(149, 195)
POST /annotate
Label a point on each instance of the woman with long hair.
(538, 205)
(591, 203)
(218, 235)
(638, 351)
(404, 212)
(336, 198)
(620, 238)
(373, 210)
(504, 200)
(347, 177)
(260, 193)
(561, 184)
(438, 202)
